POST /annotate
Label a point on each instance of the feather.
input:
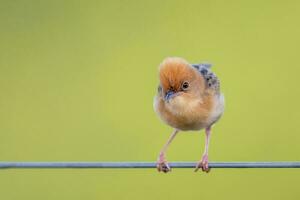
(202, 65)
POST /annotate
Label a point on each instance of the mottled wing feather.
(159, 89)
(201, 65)
(211, 80)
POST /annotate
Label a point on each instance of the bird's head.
(179, 78)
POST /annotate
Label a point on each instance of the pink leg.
(203, 163)
(162, 164)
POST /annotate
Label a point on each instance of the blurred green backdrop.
(77, 80)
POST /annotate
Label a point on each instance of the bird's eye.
(185, 85)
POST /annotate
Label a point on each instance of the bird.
(188, 99)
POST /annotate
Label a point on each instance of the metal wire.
(6, 165)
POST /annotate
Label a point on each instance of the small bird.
(188, 98)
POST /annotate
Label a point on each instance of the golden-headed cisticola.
(188, 98)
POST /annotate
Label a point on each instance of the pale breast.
(187, 114)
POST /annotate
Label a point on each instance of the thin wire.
(6, 165)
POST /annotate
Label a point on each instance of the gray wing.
(210, 78)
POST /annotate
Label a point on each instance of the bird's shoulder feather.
(210, 78)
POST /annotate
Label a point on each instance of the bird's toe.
(203, 164)
(163, 167)
(205, 167)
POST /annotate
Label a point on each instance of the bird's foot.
(162, 165)
(203, 164)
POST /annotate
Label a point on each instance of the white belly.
(217, 110)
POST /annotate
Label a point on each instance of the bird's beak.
(169, 95)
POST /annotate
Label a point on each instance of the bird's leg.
(203, 163)
(162, 164)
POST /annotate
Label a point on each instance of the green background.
(77, 81)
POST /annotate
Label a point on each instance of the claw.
(162, 165)
(203, 164)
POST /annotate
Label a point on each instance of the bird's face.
(179, 80)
